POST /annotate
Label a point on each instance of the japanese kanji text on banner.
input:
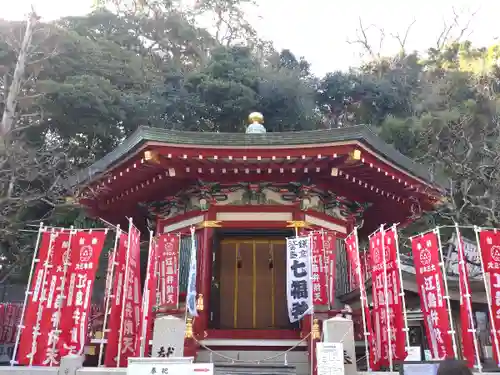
(168, 248)
(489, 241)
(299, 282)
(56, 318)
(431, 289)
(319, 280)
(398, 334)
(381, 324)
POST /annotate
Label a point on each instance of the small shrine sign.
(168, 366)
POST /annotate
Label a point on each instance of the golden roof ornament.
(256, 119)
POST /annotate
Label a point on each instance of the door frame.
(238, 235)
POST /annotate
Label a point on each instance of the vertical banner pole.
(401, 286)
(109, 289)
(43, 297)
(27, 293)
(146, 303)
(125, 290)
(386, 297)
(66, 259)
(488, 294)
(461, 263)
(447, 296)
(362, 296)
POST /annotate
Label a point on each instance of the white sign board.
(414, 353)
(167, 366)
(330, 358)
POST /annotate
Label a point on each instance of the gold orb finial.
(256, 117)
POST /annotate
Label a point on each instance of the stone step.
(273, 360)
(221, 369)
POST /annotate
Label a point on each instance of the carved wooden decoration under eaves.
(202, 195)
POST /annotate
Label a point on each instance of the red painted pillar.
(204, 282)
(312, 340)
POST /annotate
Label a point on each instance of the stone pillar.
(70, 364)
(337, 330)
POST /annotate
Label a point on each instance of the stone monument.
(341, 330)
(168, 337)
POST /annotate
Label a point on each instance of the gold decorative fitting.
(210, 224)
(199, 303)
(256, 117)
(151, 156)
(189, 328)
(316, 335)
(297, 224)
(356, 154)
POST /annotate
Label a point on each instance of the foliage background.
(91, 81)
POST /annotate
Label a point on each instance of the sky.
(321, 30)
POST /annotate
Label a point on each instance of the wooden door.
(252, 277)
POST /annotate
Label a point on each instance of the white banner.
(298, 281)
(191, 286)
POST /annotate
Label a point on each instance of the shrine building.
(245, 194)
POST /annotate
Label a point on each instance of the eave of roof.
(144, 134)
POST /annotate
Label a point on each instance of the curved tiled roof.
(361, 133)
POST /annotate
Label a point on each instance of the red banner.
(39, 337)
(86, 247)
(430, 286)
(378, 297)
(149, 299)
(330, 248)
(10, 313)
(465, 306)
(115, 312)
(168, 247)
(489, 241)
(351, 242)
(3, 323)
(396, 314)
(319, 283)
(131, 313)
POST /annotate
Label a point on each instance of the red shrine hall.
(245, 194)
